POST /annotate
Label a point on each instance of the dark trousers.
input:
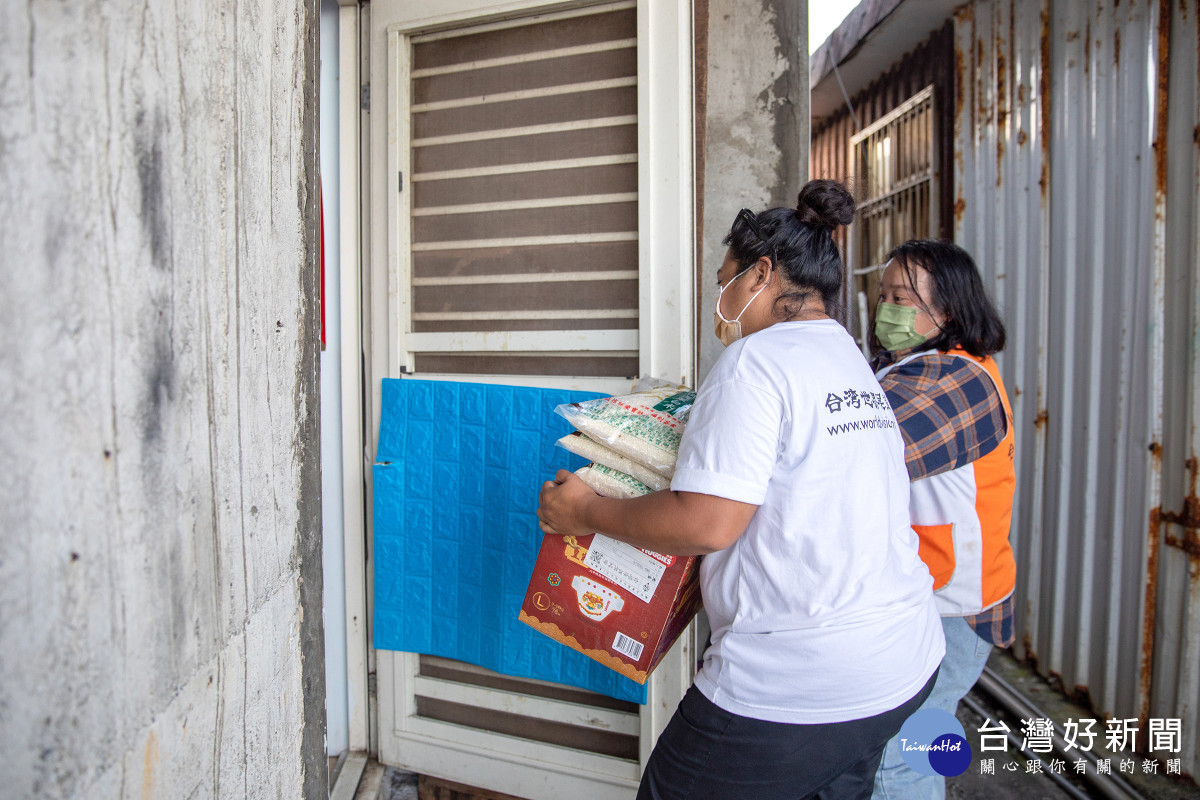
(706, 753)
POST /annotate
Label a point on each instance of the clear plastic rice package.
(579, 444)
(645, 426)
(609, 482)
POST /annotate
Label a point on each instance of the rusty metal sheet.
(1065, 189)
(1174, 690)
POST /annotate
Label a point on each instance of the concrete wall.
(755, 142)
(160, 578)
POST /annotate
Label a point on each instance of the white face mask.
(729, 331)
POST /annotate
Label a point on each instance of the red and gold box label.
(618, 604)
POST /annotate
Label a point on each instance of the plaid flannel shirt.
(950, 414)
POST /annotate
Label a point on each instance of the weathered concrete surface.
(160, 583)
(756, 127)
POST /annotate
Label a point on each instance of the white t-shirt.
(822, 611)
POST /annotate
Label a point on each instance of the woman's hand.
(562, 505)
(678, 523)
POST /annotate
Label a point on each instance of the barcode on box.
(627, 646)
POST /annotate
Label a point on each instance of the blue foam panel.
(457, 477)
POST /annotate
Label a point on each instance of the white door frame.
(666, 346)
(354, 452)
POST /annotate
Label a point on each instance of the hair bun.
(824, 204)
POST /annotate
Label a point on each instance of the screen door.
(518, 159)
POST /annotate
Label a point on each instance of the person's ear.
(762, 272)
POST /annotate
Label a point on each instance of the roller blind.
(523, 230)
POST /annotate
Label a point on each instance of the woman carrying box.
(791, 478)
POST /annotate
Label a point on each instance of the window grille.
(894, 165)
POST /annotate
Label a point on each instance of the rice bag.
(644, 426)
(612, 483)
(581, 445)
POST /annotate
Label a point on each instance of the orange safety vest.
(962, 518)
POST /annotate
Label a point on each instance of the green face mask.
(895, 326)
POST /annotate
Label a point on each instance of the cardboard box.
(615, 603)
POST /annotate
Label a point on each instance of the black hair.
(800, 242)
(971, 320)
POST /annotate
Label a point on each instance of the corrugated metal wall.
(1075, 187)
(1061, 193)
(1175, 689)
(1055, 198)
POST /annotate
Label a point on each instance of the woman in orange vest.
(937, 330)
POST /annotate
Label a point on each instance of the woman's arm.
(949, 412)
(673, 523)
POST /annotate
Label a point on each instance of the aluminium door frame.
(354, 463)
